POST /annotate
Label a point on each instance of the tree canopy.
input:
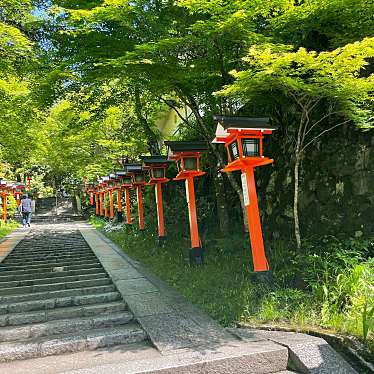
(85, 81)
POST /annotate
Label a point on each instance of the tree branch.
(324, 132)
(185, 121)
(320, 120)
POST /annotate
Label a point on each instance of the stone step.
(70, 259)
(29, 244)
(46, 304)
(4, 267)
(68, 267)
(64, 326)
(54, 287)
(49, 274)
(42, 255)
(33, 247)
(58, 344)
(57, 294)
(46, 281)
(33, 244)
(16, 319)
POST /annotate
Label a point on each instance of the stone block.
(3, 320)
(18, 351)
(173, 331)
(313, 358)
(64, 302)
(124, 274)
(134, 286)
(114, 337)
(309, 354)
(63, 345)
(15, 333)
(112, 320)
(148, 304)
(64, 313)
(22, 319)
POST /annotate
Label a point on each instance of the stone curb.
(309, 354)
(347, 344)
(178, 329)
(10, 241)
(232, 359)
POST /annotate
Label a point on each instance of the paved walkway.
(181, 339)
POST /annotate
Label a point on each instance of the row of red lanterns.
(10, 188)
(243, 138)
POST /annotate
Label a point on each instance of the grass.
(7, 228)
(224, 287)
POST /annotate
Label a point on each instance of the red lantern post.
(104, 196)
(118, 189)
(138, 181)
(17, 191)
(4, 194)
(97, 206)
(111, 185)
(126, 185)
(29, 179)
(156, 166)
(243, 138)
(90, 191)
(101, 202)
(187, 156)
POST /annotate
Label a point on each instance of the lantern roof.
(103, 179)
(133, 168)
(121, 173)
(186, 147)
(230, 124)
(112, 176)
(155, 160)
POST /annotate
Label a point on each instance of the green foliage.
(11, 207)
(336, 77)
(7, 228)
(325, 25)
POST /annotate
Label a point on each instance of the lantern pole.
(128, 206)
(101, 197)
(106, 210)
(97, 211)
(4, 205)
(111, 205)
(196, 252)
(139, 195)
(119, 205)
(260, 262)
(160, 211)
(18, 198)
(29, 183)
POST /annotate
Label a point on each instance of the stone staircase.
(55, 297)
(45, 211)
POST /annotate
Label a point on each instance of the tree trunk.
(222, 212)
(153, 145)
(296, 202)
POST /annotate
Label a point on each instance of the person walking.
(26, 209)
